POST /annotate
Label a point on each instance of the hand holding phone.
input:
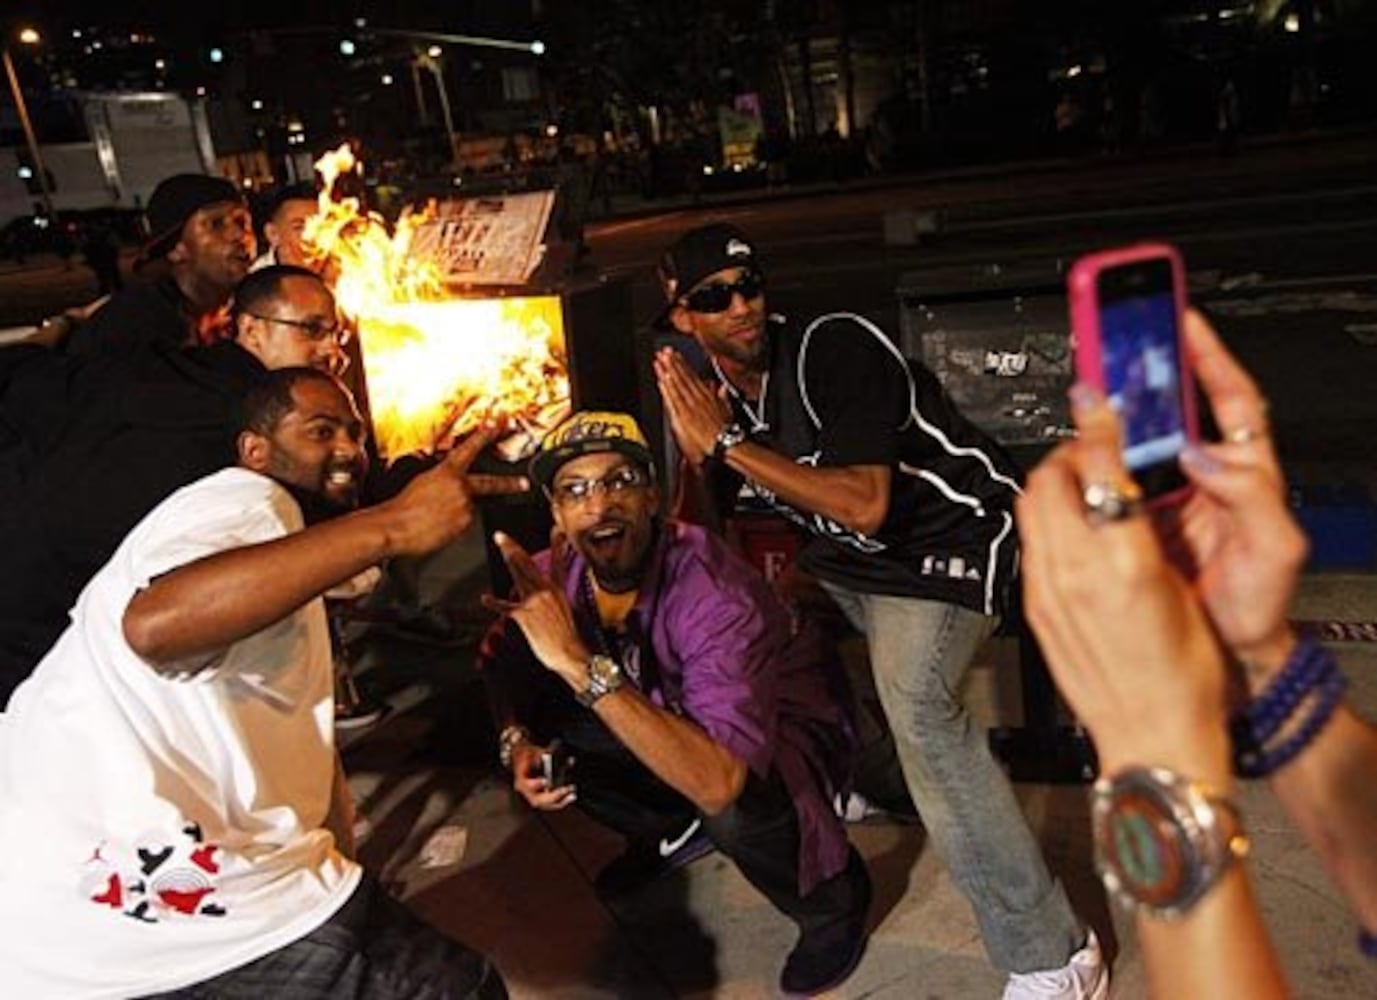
(1127, 312)
(556, 765)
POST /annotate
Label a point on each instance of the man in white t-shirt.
(172, 812)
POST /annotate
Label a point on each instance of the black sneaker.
(826, 956)
(644, 861)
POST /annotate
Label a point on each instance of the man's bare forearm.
(856, 497)
(203, 607)
(675, 749)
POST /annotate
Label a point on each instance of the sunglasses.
(717, 297)
(577, 492)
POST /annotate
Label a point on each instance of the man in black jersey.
(909, 509)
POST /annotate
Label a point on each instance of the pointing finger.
(482, 485)
(526, 575)
(462, 455)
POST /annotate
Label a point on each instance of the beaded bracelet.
(1308, 666)
(1310, 669)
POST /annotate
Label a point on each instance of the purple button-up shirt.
(714, 643)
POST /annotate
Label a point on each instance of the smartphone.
(555, 765)
(1127, 311)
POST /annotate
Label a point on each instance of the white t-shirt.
(157, 831)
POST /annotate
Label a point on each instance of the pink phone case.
(1082, 284)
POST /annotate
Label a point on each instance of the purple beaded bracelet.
(1367, 943)
(1309, 669)
(1308, 666)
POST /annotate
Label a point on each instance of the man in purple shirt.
(685, 691)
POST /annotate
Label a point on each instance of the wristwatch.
(511, 738)
(1161, 841)
(604, 677)
(728, 437)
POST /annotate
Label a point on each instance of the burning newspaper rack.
(437, 364)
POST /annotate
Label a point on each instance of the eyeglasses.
(717, 297)
(577, 492)
(315, 329)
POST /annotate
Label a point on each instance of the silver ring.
(1106, 502)
(1244, 435)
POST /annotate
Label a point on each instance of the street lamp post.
(29, 37)
(430, 60)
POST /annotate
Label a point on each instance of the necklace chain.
(606, 639)
(755, 412)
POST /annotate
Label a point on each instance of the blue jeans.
(919, 653)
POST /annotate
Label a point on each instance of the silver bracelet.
(511, 738)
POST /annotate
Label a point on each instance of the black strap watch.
(1162, 841)
(729, 436)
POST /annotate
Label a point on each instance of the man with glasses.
(910, 512)
(131, 431)
(685, 692)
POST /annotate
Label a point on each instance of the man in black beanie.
(201, 237)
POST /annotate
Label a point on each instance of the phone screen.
(1141, 359)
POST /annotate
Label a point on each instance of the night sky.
(189, 18)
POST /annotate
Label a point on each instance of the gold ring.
(1244, 435)
(1106, 502)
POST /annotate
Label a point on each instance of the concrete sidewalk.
(443, 829)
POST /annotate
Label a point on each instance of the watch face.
(604, 671)
(1144, 849)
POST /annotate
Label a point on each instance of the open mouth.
(605, 539)
(342, 479)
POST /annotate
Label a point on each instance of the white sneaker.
(1084, 977)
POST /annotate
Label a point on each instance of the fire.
(436, 365)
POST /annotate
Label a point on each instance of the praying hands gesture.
(697, 413)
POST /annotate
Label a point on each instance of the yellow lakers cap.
(589, 432)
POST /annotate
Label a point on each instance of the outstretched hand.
(1124, 636)
(697, 412)
(437, 506)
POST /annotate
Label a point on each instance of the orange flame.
(436, 365)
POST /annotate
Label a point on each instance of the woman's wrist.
(1199, 750)
(1286, 716)
(1262, 661)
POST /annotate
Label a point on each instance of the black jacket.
(136, 428)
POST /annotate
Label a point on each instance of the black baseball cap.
(698, 254)
(174, 201)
